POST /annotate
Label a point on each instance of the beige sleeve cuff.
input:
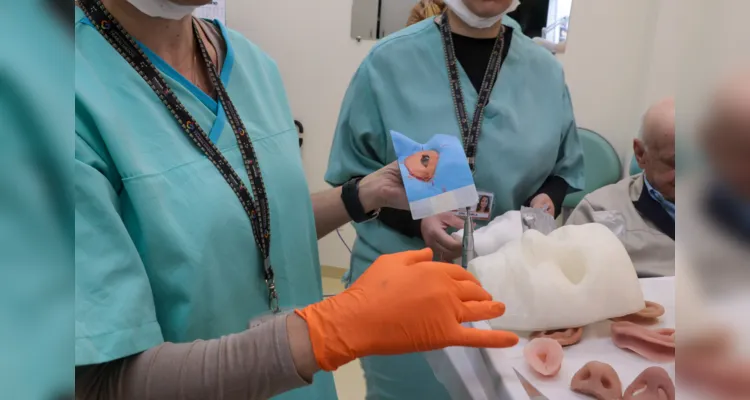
(254, 364)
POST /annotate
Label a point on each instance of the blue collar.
(668, 206)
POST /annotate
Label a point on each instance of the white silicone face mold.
(573, 277)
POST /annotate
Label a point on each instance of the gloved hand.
(435, 235)
(404, 303)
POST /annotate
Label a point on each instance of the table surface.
(596, 345)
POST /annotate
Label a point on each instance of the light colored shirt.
(651, 250)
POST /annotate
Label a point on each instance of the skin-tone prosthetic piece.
(655, 345)
(648, 316)
(544, 355)
(653, 383)
(597, 380)
(566, 337)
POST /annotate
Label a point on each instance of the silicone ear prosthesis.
(653, 383)
(544, 355)
(566, 337)
(654, 345)
(597, 380)
(648, 316)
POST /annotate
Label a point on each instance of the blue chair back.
(601, 165)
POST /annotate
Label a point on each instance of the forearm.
(259, 363)
(329, 209)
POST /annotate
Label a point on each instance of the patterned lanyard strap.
(257, 210)
(470, 133)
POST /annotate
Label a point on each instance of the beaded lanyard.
(470, 133)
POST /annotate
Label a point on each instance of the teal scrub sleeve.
(359, 143)
(569, 165)
(114, 314)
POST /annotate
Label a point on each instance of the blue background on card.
(452, 170)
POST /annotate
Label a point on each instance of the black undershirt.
(474, 55)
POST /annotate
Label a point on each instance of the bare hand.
(383, 188)
(436, 237)
(543, 201)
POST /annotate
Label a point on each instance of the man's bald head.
(654, 149)
(658, 125)
(726, 133)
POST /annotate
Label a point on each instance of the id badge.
(483, 210)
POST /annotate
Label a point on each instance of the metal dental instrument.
(533, 393)
(468, 253)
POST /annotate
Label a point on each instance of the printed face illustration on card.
(436, 174)
(422, 164)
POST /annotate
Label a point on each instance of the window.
(558, 20)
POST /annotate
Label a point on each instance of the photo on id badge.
(483, 210)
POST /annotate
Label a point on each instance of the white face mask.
(163, 8)
(475, 21)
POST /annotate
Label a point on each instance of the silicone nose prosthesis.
(421, 165)
(653, 383)
(566, 337)
(544, 355)
(654, 345)
(597, 380)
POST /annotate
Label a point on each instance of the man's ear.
(639, 149)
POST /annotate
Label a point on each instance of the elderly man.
(644, 201)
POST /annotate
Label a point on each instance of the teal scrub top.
(36, 202)
(529, 134)
(164, 249)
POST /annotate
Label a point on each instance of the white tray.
(596, 345)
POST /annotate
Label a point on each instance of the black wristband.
(350, 197)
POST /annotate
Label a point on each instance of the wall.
(608, 57)
(310, 41)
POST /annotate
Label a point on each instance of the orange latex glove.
(403, 303)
